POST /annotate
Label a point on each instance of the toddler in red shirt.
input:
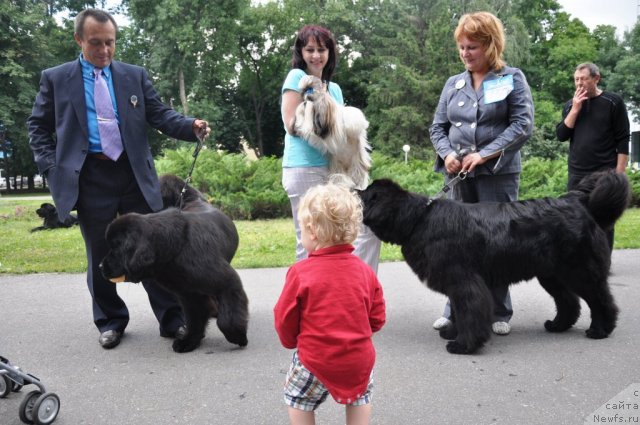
(330, 306)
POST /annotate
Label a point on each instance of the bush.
(539, 178)
(241, 188)
(415, 176)
(543, 177)
(634, 178)
(250, 190)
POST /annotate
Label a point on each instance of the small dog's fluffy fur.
(335, 130)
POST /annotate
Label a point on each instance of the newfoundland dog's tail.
(606, 195)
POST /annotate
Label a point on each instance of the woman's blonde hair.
(332, 211)
(485, 28)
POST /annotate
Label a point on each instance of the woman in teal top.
(297, 152)
(314, 53)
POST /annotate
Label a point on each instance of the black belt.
(104, 157)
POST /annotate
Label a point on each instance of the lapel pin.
(460, 84)
(134, 100)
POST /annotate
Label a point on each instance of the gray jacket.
(464, 120)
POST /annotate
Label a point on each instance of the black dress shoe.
(109, 339)
(179, 333)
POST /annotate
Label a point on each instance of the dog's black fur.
(461, 250)
(188, 252)
(49, 214)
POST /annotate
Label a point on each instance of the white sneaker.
(501, 328)
(441, 323)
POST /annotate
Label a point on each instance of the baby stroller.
(38, 407)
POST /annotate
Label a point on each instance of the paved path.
(43, 198)
(528, 377)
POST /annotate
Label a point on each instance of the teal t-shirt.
(297, 151)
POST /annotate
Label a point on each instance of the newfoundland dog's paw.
(454, 347)
(554, 326)
(239, 339)
(595, 333)
(449, 332)
(185, 345)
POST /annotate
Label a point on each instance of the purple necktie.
(107, 122)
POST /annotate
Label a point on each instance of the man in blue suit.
(65, 138)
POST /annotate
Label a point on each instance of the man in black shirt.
(597, 126)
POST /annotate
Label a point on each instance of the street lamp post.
(406, 149)
(2, 149)
(5, 154)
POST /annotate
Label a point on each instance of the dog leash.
(457, 179)
(200, 135)
(447, 187)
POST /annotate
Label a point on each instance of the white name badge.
(498, 89)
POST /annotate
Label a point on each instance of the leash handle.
(447, 187)
(464, 152)
(200, 134)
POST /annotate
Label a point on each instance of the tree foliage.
(225, 61)
(627, 69)
(23, 23)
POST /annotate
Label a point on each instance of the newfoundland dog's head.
(47, 211)
(131, 255)
(171, 188)
(390, 211)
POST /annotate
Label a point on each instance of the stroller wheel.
(26, 407)
(46, 408)
(5, 386)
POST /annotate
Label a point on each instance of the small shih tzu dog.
(338, 131)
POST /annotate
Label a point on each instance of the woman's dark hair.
(323, 37)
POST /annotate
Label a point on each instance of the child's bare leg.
(358, 415)
(301, 417)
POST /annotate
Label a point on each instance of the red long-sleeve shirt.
(330, 305)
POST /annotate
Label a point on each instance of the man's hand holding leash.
(201, 129)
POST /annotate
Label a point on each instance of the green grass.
(263, 243)
(627, 235)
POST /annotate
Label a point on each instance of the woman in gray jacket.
(484, 117)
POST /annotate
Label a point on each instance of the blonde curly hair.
(332, 211)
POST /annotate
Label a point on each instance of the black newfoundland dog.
(188, 252)
(49, 214)
(461, 250)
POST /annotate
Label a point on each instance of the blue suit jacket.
(58, 131)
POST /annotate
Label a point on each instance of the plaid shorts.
(303, 391)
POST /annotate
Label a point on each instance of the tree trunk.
(183, 94)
